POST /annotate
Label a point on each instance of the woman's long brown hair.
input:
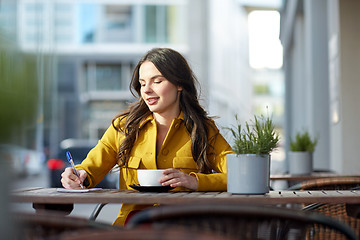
(174, 67)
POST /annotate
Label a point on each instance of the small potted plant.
(301, 154)
(248, 169)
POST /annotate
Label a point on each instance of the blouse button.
(165, 151)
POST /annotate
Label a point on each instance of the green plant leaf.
(256, 138)
(303, 142)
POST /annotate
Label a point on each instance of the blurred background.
(65, 67)
(73, 62)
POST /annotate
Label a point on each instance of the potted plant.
(248, 169)
(301, 154)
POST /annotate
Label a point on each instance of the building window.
(126, 23)
(99, 115)
(108, 23)
(34, 7)
(156, 23)
(87, 25)
(117, 23)
(107, 76)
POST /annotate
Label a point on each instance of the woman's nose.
(147, 88)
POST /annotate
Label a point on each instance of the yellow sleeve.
(215, 181)
(103, 157)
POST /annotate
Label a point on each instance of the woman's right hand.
(70, 181)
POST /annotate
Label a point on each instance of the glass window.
(127, 23)
(150, 23)
(34, 7)
(87, 24)
(33, 21)
(117, 23)
(156, 23)
(108, 77)
(62, 7)
(63, 38)
(8, 18)
(62, 22)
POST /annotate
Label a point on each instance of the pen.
(69, 158)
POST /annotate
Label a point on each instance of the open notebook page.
(64, 190)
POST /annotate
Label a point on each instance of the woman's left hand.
(176, 178)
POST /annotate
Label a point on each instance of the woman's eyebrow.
(157, 76)
(153, 77)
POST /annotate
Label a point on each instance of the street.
(107, 215)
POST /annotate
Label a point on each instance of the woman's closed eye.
(156, 81)
(142, 83)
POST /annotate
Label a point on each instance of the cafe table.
(277, 180)
(314, 175)
(42, 196)
(50, 196)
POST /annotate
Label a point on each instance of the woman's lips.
(152, 100)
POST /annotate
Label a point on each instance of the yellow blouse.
(174, 153)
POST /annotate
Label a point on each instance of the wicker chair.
(139, 234)
(240, 221)
(53, 226)
(50, 225)
(342, 212)
(333, 183)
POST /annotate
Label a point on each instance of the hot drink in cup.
(149, 177)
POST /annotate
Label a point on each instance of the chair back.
(50, 225)
(332, 183)
(240, 221)
(338, 211)
(139, 234)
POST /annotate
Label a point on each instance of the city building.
(94, 45)
(86, 51)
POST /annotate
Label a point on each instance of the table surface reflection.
(52, 196)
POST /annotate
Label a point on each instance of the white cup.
(149, 177)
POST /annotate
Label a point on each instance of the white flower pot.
(300, 163)
(248, 174)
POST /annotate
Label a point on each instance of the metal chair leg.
(96, 211)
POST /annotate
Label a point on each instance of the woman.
(166, 128)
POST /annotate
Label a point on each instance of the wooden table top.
(314, 175)
(52, 196)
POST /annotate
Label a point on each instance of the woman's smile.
(152, 100)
